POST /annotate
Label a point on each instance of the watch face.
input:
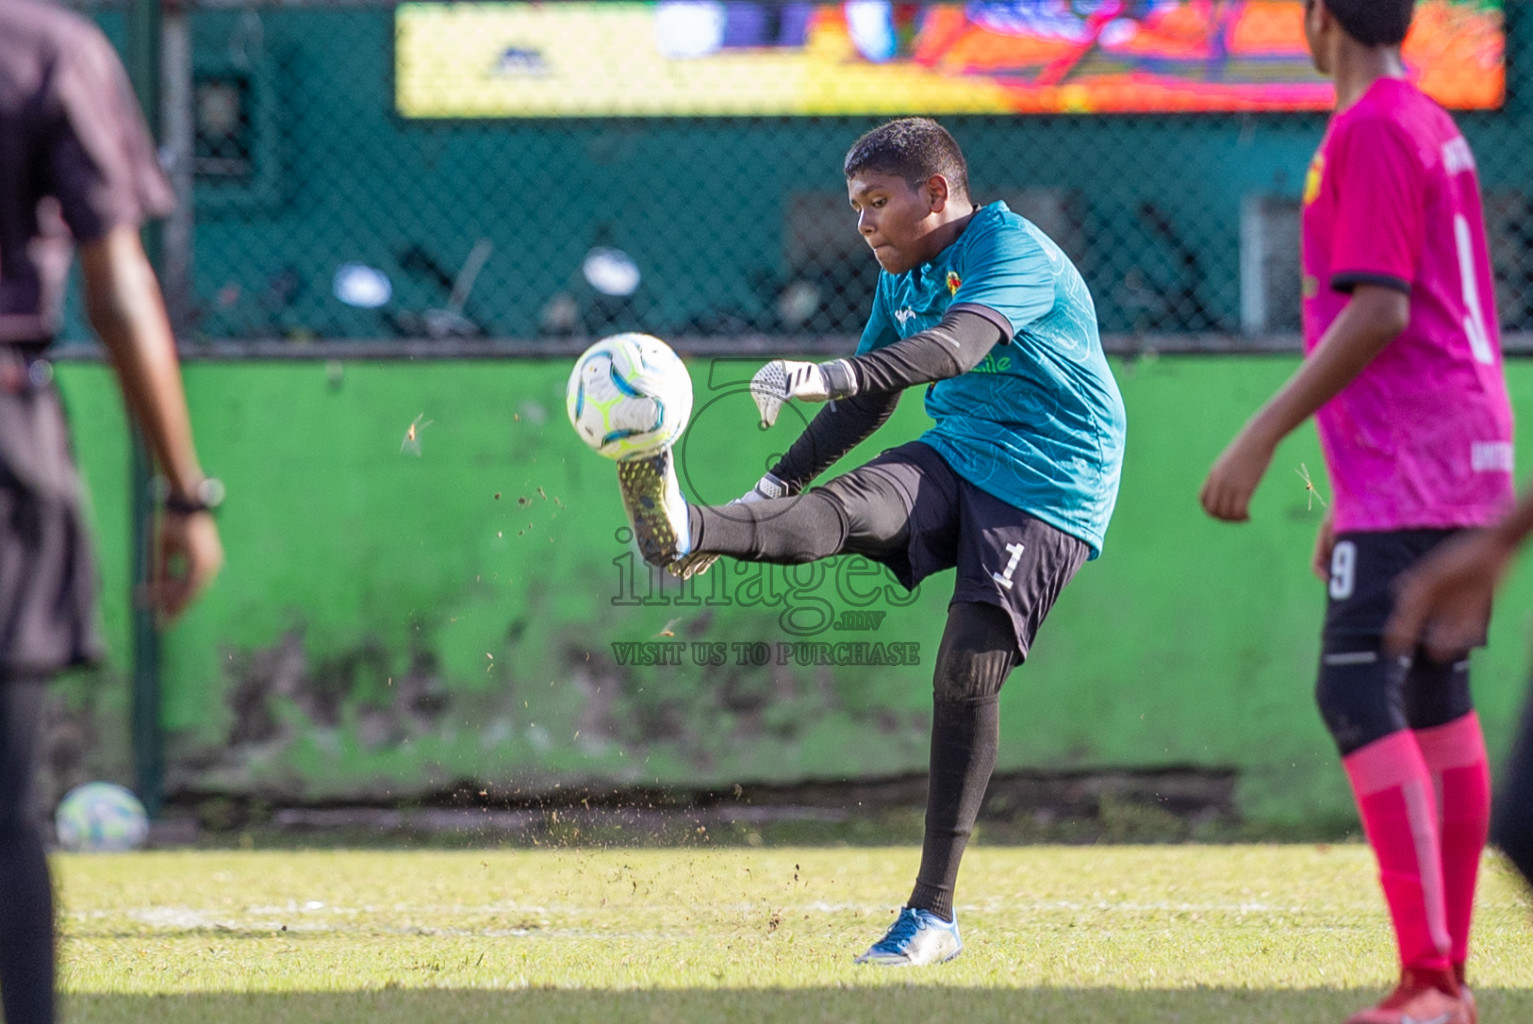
(210, 492)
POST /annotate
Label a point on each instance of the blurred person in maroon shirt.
(77, 170)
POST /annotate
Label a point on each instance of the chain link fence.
(441, 175)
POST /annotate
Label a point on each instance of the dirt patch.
(1163, 805)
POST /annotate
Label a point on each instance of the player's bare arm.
(1325, 541)
(1373, 318)
(1444, 602)
(128, 312)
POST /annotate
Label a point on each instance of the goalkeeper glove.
(782, 379)
(767, 487)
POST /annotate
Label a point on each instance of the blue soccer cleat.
(917, 938)
(652, 498)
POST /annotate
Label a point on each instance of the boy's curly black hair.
(1374, 22)
(913, 148)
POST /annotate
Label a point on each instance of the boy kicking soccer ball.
(1403, 370)
(1013, 486)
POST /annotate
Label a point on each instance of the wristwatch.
(207, 495)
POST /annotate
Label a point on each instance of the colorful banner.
(493, 60)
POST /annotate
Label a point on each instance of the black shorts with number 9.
(1363, 694)
(1364, 568)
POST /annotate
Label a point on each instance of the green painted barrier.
(390, 624)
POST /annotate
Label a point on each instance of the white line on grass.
(312, 916)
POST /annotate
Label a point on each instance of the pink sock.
(1455, 757)
(1396, 801)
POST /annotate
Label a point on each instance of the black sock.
(977, 653)
(965, 735)
(1512, 828)
(787, 531)
(26, 906)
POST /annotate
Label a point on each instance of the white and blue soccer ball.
(101, 817)
(629, 396)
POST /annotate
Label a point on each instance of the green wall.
(388, 624)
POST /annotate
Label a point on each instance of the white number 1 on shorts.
(1004, 579)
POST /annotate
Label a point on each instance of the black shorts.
(47, 575)
(1004, 556)
(1364, 570)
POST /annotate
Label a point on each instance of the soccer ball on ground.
(629, 396)
(101, 817)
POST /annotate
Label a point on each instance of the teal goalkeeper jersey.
(1039, 423)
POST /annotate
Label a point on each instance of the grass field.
(1190, 934)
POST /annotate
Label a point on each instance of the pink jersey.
(1423, 436)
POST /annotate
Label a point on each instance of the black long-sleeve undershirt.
(953, 347)
(835, 430)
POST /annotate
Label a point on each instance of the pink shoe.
(1465, 996)
(1420, 998)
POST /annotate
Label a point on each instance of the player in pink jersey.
(1403, 373)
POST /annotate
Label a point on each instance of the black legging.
(26, 895)
(1512, 828)
(1365, 695)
